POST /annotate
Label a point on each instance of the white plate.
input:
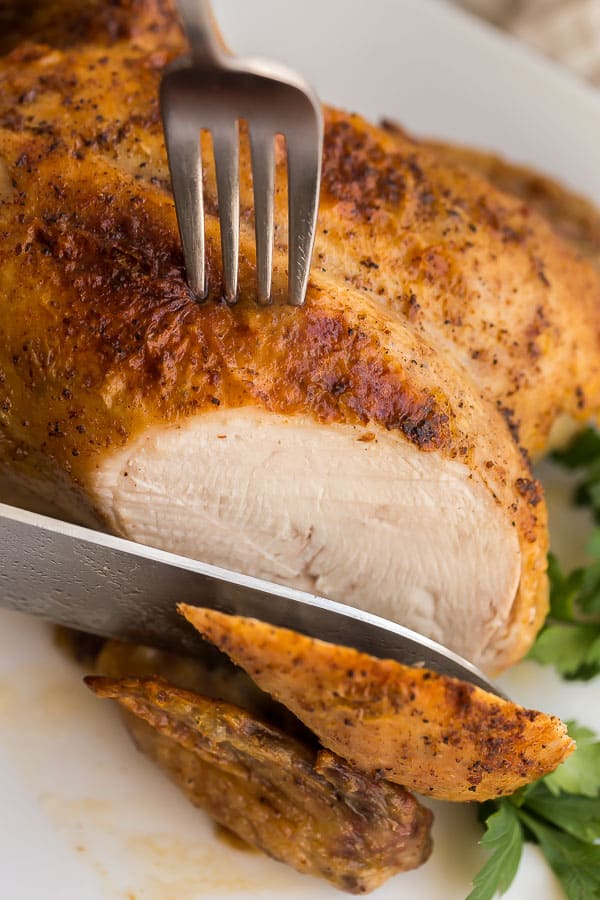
(82, 815)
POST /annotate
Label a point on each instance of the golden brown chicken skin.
(571, 215)
(102, 340)
(67, 23)
(301, 805)
(433, 734)
(478, 271)
(443, 320)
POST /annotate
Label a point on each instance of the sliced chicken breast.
(357, 516)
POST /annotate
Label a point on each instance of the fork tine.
(226, 152)
(262, 149)
(304, 150)
(185, 163)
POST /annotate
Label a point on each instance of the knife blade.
(115, 588)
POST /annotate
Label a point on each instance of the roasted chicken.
(363, 446)
(253, 766)
(571, 215)
(256, 769)
(301, 805)
(372, 446)
(433, 734)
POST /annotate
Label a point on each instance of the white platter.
(82, 815)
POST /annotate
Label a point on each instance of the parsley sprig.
(570, 638)
(583, 455)
(561, 813)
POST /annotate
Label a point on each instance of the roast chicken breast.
(362, 446)
(341, 451)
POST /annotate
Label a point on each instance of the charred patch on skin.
(358, 171)
(530, 490)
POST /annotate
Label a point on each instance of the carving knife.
(115, 588)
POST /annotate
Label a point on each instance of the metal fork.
(213, 90)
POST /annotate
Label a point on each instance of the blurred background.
(566, 30)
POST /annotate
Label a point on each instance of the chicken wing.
(307, 808)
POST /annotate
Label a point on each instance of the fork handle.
(201, 30)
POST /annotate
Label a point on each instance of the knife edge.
(113, 587)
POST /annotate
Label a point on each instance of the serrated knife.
(115, 588)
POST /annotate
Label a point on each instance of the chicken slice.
(307, 808)
(433, 734)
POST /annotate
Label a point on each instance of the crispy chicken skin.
(210, 674)
(433, 734)
(302, 806)
(115, 345)
(475, 271)
(442, 318)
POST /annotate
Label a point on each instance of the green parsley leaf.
(593, 547)
(570, 638)
(574, 650)
(583, 453)
(504, 836)
(580, 816)
(521, 794)
(583, 450)
(563, 589)
(561, 812)
(588, 492)
(580, 772)
(575, 862)
(588, 582)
